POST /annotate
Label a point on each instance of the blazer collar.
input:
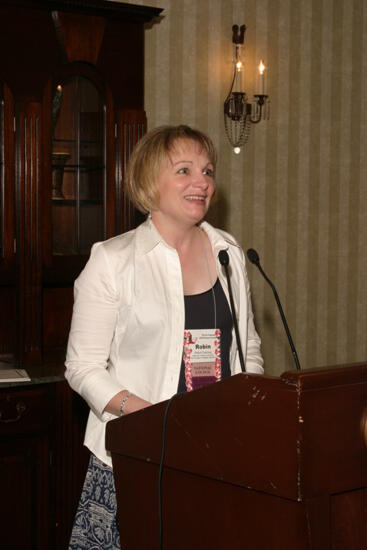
(148, 237)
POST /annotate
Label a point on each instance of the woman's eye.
(183, 170)
(208, 172)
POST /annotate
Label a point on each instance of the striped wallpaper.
(298, 190)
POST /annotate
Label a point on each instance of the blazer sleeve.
(95, 313)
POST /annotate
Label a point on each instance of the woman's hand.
(132, 404)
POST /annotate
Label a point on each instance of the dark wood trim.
(7, 262)
(129, 12)
(131, 126)
(29, 183)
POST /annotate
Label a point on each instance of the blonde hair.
(141, 179)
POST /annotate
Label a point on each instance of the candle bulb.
(262, 77)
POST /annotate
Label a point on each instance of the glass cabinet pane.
(78, 167)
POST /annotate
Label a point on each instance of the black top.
(199, 314)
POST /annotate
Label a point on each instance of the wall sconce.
(239, 114)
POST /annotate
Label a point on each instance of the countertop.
(51, 369)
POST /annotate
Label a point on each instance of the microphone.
(254, 259)
(224, 261)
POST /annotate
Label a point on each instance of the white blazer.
(128, 322)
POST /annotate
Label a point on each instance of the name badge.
(202, 357)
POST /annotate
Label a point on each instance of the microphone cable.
(160, 475)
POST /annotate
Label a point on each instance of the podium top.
(327, 376)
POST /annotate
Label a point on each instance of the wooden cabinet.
(71, 91)
(71, 110)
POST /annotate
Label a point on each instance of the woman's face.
(185, 185)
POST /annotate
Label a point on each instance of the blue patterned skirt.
(95, 525)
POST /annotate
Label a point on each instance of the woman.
(144, 299)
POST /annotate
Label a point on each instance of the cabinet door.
(77, 191)
(26, 510)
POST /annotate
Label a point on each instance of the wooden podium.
(251, 463)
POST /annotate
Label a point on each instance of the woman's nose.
(200, 180)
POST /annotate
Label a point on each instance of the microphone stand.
(254, 259)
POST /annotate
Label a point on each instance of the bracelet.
(123, 403)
